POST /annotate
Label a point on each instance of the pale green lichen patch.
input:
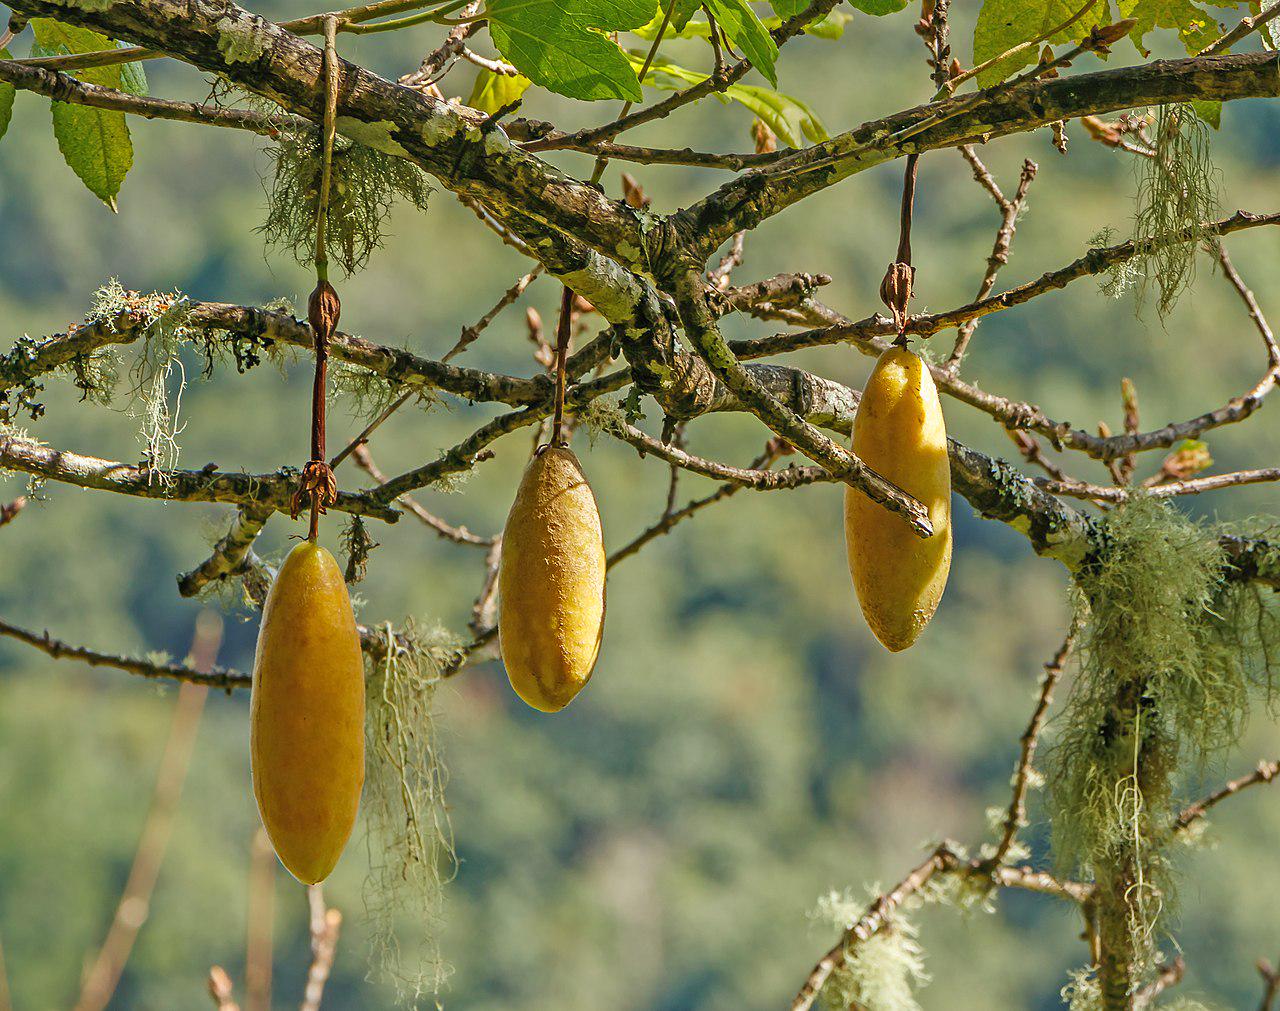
(496, 142)
(375, 135)
(242, 39)
(440, 129)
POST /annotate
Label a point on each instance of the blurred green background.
(745, 745)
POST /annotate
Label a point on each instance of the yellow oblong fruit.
(551, 583)
(899, 433)
(307, 714)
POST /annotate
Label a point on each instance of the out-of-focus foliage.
(744, 746)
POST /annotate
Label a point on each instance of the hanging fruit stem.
(908, 207)
(323, 308)
(563, 329)
(895, 289)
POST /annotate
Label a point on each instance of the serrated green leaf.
(558, 44)
(743, 28)
(1209, 112)
(879, 8)
(95, 143)
(1195, 26)
(1004, 24)
(492, 92)
(791, 119)
(133, 78)
(7, 92)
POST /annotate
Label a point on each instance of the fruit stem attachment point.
(563, 328)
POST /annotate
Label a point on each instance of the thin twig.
(471, 333)
(1016, 817)
(1168, 489)
(259, 937)
(214, 677)
(1264, 773)
(1009, 212)
(1270, 985)
(1246, 27)
(220, 989)
(103, 975)
(325, 926)
(459, 535)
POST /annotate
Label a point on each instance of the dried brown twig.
(325, 926)
(107, 966)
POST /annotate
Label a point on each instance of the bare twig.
(471, 333)
(104, 972)
(1016, 817)
(1264, 773)
(1270, 985)
(459, 535)
(1245, 28)
(261, 919)
(1167, 489)
(1009, 211)
(325, 925)
(214, 677)
(220, 989)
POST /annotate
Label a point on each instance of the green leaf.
(133, 78)
(558, 44)
(879, 8)
(830, 27)
(6, 98)
(1195, 26)
(1209, 112)
(492, 92)
(791, 119)
(743, 28)
(1004, 24)
(788, 8)
(95, 143)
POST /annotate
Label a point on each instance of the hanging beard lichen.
(365, 185)
(881, 973)
(410, 840)
(1177, 196)
(1170, 651)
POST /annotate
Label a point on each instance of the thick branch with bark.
(1017, 108)
(209, 485)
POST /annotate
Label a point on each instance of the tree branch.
(210, 485)
(1004, 110)
(215, 677)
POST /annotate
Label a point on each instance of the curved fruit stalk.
(551, 582)
(307, 714)
(899, 433)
